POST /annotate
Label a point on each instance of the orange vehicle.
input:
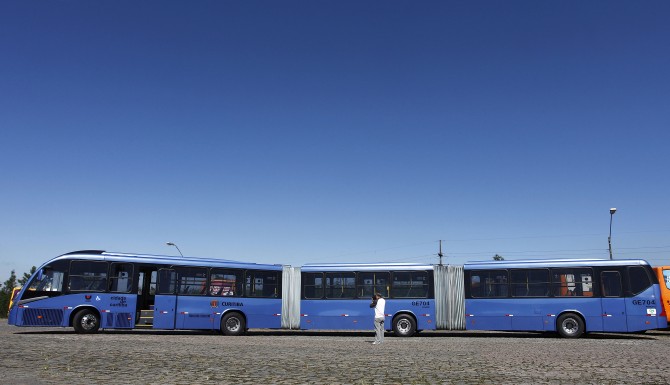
(663, 274)
(15, 292)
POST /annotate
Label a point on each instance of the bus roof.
(365, 267)
(162, 259)
(505, 264)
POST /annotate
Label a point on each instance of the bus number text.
(644, 302)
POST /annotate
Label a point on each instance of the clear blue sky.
(312, 131)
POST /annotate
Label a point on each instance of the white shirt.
(379, 309)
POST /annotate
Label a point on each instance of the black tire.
(233, 324)
(404, 325)
(86, 321)
(570, 325)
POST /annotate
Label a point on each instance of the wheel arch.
(238, 311)
(404, 314)
(573, 311)
(83, 307)
(228, 311)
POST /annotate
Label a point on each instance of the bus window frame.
(601, 284)
(425, 287)
(362, 288)
(630, 279)
(248, 284)
(236, 288)
(304, 284)
(200, 285)
(558, 286)
(546, 284)
(97, 285)
(329, 277)
(506, 285)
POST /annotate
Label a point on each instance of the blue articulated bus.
(570, 297)
(89, 290)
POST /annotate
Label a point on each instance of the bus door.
(147, 278)
(613, 302)
(194, 310)
(165, 302)
(644, 307)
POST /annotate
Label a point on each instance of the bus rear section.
(570, 297)
(663, 276)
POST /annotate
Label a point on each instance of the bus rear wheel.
(233, 324)
(570, 325)
(404, 325)
(86, 321)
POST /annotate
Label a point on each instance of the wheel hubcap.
(89, 321)
(570, 326)
(233, 324)
(403, 326)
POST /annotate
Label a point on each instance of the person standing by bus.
(378, 304)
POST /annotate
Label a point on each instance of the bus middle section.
(334, 314)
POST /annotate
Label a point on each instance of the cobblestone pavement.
(59, 356)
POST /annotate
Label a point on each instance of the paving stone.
(58, 356)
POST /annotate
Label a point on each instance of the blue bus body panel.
(194, 313)
(261, 313)
(116, 310)
(529, 314)
(644, 310)
(205, 313)
(44, 312)
(613, 315)
(165, 311)
(334, 314)
(487, 314)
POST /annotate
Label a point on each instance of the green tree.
(26, 276)
(6, 293)
(498, 257)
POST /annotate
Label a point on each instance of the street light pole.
(182, 255)
(609, 239)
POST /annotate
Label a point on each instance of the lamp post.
(182, 255)
(609, 239)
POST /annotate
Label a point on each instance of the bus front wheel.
(233, 324)
(570, 325)
(404, 325)
(86, 321)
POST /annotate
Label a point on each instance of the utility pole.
(440, 253)
(609, 239)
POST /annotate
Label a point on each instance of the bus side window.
(639, 279)
(611, 283)
(571, 282)
(121, 280)
(226, 283)
(88, 276)
(262, 283)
